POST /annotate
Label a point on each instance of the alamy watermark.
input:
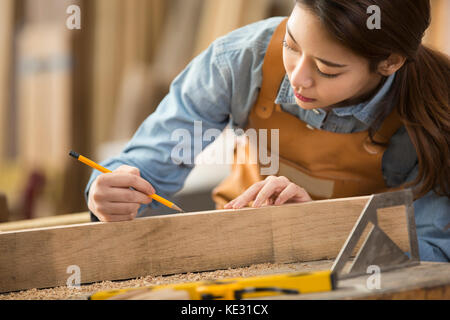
(74, 20)
(373, 282)
(74, 281)
(374, 21)
(190, 144)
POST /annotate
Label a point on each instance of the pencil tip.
(74, 154)
(177, 208)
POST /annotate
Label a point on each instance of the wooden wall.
(6, 36)
(126, 33)
(438, 35)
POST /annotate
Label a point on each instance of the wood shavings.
(64, 293)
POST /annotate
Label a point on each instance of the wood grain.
(6, 36)
(223, 16)
(437, 35)
(4, 211)
(62, 220)
(174, 244)
(43, 97)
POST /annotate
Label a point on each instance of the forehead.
(314, 40)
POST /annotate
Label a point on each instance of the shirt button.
(316, 111)
(310, 127)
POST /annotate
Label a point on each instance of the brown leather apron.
(327, 165)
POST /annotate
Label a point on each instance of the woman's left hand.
(271, 191)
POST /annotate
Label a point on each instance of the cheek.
(342, 88)
(289, 64)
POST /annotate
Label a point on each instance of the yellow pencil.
(94, 165)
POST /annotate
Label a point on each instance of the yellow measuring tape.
(243, 288)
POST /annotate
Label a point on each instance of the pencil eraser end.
(74, 154)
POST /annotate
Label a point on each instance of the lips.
(303, 98)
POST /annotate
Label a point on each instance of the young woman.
(359, 111)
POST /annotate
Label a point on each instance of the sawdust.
(64, 293)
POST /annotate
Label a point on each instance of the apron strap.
(391, 124)
(273, 73)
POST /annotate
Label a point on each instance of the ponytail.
(422, 89)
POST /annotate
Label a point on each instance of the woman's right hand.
(112, 200)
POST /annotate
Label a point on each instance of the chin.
(308, 106)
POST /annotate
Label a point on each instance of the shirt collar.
(365, 112)
(286, 93)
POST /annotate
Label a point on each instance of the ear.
(391, 65)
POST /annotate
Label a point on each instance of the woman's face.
(322, 72)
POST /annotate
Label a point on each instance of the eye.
(285, 44)
(326, 75)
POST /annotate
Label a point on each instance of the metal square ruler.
(378, 249)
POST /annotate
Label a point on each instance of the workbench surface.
(426, 281)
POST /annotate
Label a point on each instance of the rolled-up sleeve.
(433, 227)
(432, 213)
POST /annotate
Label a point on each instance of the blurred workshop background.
(89, 89)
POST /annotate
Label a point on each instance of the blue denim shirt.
(220, 86)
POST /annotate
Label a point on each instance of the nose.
(301, 77)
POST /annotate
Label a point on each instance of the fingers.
(108, 211)
(115, 217)
(289, 192)
(124, 195)
(118, 208)
(261, 191)
(246, 197)
(272, 191)
(117, 196)
(301, 196)
(120, 179)
(126, 180)
(128, 169)
(272, 187)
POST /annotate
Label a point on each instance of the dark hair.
(421, 87)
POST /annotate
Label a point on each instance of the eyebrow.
(328, 63)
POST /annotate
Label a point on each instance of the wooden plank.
(43, 99)
(75, 176)
(44, 110)
(6, 48)
(46, 11)
(63, 220)
(173, 53)
(143, 87)
(4, 211)
(107, 65)
(437, 35)
(255, 10)
(174, 244)
(446, 26)
(223, 16)
(397, 230)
